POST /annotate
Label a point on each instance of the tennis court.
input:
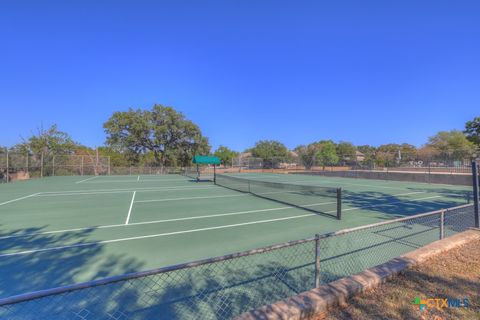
(63, 230)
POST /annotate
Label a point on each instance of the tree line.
(162, 136)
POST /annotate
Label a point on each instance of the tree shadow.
(219, 290)
(22, 271)
(391, 206)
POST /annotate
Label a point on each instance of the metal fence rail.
(223, 287)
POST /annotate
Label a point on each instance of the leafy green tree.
(48, 141)
(117, 159)
(162, 131)
(268, 150)
(346, 151)
(225, 154)
(327, 155)
(472, 131)
(452, 143)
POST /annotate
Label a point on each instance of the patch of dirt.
(454, 274)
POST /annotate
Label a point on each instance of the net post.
(214, 174)
(53, 166)
(442, 224)
(317, 260)
(475, 193)
(339, 203)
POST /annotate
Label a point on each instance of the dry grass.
(454, 274)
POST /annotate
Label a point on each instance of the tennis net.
(322, 200)
(191, 172)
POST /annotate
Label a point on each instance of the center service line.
(131, 206)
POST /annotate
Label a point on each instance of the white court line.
(153, 235)
(225, 196)
(146, 189)
(145, 222)
(407, 194)
(107, 192)
(138, 178)
(130, 209)
(86, 179)
(18, 199)
(193, 198)
(134, 180)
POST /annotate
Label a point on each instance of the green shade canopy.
(206, 160)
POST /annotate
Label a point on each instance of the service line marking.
(91, 178)
(18, 199)
(131, 206)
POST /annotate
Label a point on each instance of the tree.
(51, 140)
(268, 150)
(452, 143)
(394, 153)
(346, 151)
(306, 154)
(368, 154)
(472, 131)
(226, 155)
(327, 155)
(117, 159)
(163, 131)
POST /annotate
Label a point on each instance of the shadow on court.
(27, 272)
(392, 206)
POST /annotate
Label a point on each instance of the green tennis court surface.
(63, 230)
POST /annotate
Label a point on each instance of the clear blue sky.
(369, 72)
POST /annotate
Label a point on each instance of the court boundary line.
(91, 178)
(21, 198)
(134, 180)
(130, 209)
(146, 189)
(192, 198)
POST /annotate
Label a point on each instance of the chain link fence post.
(339, 203)
(442, 224)
(41, 165)
(8, 169)
(317, 260)
(475, 193)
